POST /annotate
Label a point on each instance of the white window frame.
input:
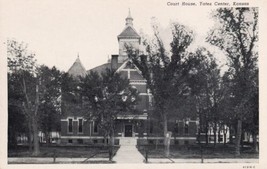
(78, 127)
(94, 123)
(69, 124)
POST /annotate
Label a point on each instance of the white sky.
(57, 30)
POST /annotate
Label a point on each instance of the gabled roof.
(77, 69)
(128, 32)
(133, 75)
(102, 68)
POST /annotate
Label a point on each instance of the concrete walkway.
(128, 154)
(124, 157)
(48, 160)
(213, 160)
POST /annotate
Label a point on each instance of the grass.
(64, 151)
(194, 151)
(87, 162)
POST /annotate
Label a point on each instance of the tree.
(106, 96)
(36, 92)
(165, 75)
(237, 36)
(17, 123)
(50, 99)
(22, 63)
(205, 86)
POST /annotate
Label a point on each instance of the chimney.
(114, 62)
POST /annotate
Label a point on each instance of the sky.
(57, 31)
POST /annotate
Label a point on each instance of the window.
(70, 141)
(70, 126)
(95, 127)
(186, 128)
(80, 141)
(220, 139)
(80, 125)
(151, 126)
(151, 142)
(176, 127)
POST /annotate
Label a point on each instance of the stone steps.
(128, 141)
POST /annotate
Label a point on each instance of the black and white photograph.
(150, 83)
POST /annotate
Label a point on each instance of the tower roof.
(129, 31)
(129, 19)
(77, 69)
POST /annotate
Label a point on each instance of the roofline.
(119, 36)
(80, 64)
(97, 67)
(124, 64)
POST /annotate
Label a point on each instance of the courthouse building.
(137, 127)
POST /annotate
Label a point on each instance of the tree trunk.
(225, 130)
(47, 138)
(219, 135)
(36, 146)
(224, 138)
(167, 152)
(206, 134)
(230, 134)
(214, 133)
(165, 131)
(255, 142)
(242, 139)
(30, 138)
(165, 128)
(238, 137)
(112, 140)
(105, 140)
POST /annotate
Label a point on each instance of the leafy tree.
(106, 96)
(71, 95)
(50, 98)
(166, 75)
(205, 85)
(237, 36)
(22, 63)
(17, 123)
(35, 90)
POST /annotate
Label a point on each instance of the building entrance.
(128, 130)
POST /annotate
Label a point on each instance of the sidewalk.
(128, 154)
(47, 160)
(214, 160)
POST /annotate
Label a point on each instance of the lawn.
(96, 151)
(194, 151)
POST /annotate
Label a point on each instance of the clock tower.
(128, 37)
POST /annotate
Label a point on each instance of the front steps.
(128, 141)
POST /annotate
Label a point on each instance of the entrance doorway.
(128, 130)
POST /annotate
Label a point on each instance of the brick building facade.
(142, 126)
